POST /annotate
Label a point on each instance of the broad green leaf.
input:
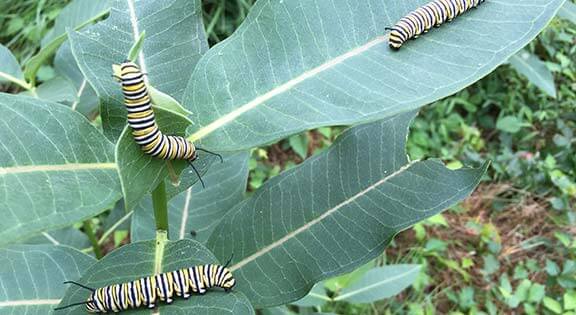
(511, 124)
(568, 11)
(301, 64)
(32, 276)
(137, 260)
(570, 300)
(338, 283)
(76, 13)
(197, 209)
(165, 101)
(552, 305)
(333, 213)
(536, 293)
(56, 169)
(380, 283)
(57, 89)
(174, 42)
(85, 99)
(534, 70)
(141, 173)
(10, 68)
(75, 16)
(68, 236)
(316, 297)
(522, 290)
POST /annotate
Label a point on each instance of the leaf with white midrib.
(335, 212)
(9, 68)
(380, 283)
(301, 64)
(56, 168)
(174, 42)
(32, 276)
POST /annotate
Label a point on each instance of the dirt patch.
(518, 226)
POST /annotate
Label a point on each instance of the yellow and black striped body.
(163, 287)
(141, 119)
(424, 18)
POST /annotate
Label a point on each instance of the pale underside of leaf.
(283, 88)
(31, 276)
(535, 70)
(351, 200)
(297, 65)
(173, 43)
(56, 168)
(315, 221)
(377, 284)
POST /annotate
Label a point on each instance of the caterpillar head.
(228, 282)
(226, 279)
(125, 70)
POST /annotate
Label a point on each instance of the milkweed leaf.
(56, 168)
(302, 64)
(334, 212)
(175, 40)
(137, 260)
(32, 276)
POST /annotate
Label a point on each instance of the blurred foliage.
(23, 24)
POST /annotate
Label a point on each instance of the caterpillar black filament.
(162, 287)
(143, 123)
(424, 18)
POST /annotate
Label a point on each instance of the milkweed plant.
(72, 174)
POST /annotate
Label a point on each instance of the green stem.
(19, 82)
(160, 204)
(92, 237)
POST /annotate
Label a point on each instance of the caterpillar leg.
(197, 174)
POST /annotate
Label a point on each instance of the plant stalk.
(160, 204)
(88, 229)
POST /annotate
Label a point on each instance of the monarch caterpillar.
(163, 287)
(424, 18)
(143, 123)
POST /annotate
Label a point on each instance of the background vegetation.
(510, 248)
